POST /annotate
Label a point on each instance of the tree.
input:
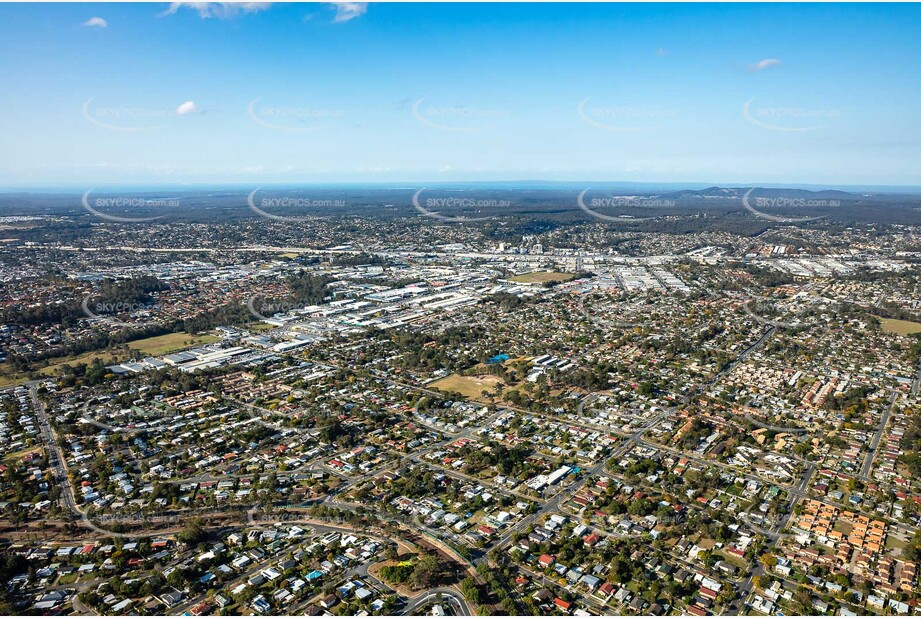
(427, 573)
(193, 533)
(471, 590)
(913, 550)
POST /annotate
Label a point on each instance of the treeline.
(305, 288)
(124, 293)
(228, 314)
(434, 351)
(914, 351)
(96, 341)
(359, 259)
(893, 311)
(506, 301)
(769, 278)
(83, 374)
(66, 314)
(129, 292)
(308, 288)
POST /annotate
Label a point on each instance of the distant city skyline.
(209, 93)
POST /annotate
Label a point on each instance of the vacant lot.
(900, 327)
(542, 276)
(164, 344)
(259, 327)
(8, 377)
(152, 346)
(87, 358)
(471, 387)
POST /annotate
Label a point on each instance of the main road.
(877, 437)
(432, 596)
(917, 382)
(59, 467)
(55, 455)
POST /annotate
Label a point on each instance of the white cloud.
(349, 10)
(661, 52)
(96, 22)
(221, 10)
(345, 11)
(764, 64)
(186, 108)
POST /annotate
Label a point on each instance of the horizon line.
(408, 184)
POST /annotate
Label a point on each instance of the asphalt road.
(917, 383)
(448, 595)
(55, 456)
(877, 438)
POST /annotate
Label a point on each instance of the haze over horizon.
(460, 184)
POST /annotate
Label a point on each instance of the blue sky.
(722, 93)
